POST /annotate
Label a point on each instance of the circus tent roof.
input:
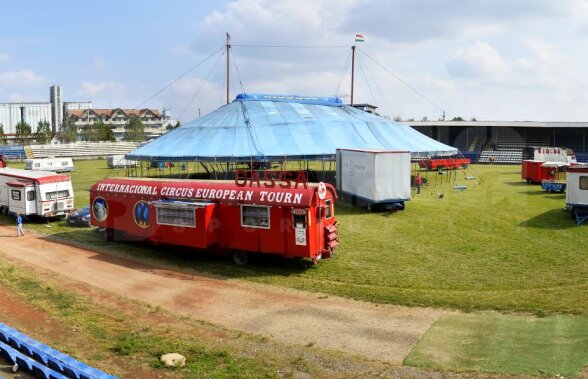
(278, 127)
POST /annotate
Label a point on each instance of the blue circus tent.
(281, 127)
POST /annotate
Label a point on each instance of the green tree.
(68, 132)
(43, 134)
(3, 140)
(173, 126)
(459, 118)
(103, 132)
(22, 132)
(134, 130)
(88, 133)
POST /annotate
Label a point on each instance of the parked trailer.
(40, 193)
(444, 163)
(116, 161)
(50, 164)
(577, 192)
(380, 178)
(254, 215)
(533, 171)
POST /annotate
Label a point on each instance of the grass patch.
(101, 331)
(499, 245)
(554, 345)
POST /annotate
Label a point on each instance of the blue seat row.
(27, 363)
(50, 358)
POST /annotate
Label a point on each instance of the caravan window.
(30, 195)
(176, 216)
(584, 182)
(15, 194)
(37, 165)
(329, 209)
(64, 163)
(255, 216)
(57, 194)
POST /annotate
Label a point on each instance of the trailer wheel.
(109, 235)
(240, 258)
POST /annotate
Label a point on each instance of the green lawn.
(490, 342)
(499, 245)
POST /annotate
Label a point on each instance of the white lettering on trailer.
(271, 197)
(203, 193)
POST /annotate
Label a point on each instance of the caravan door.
(18, 190)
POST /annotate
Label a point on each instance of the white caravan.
(49, 164)
(40, 193)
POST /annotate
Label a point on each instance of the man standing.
(19, 231)
(418, 182)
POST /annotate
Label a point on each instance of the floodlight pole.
(228, 45)
(352, 71)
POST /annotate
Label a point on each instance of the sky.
(483, 59)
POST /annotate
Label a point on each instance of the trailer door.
(16, 198)
(30, 200)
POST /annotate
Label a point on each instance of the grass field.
(500, 245)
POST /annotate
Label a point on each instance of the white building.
(76, 105)
(56, 99)
(31, 113)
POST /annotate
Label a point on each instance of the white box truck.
(380, 178)
(40, 193)
(116, 161)
(577, 192)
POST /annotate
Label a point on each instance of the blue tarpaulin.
(285, 127)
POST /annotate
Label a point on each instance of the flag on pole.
(359, 37)
(228, 38)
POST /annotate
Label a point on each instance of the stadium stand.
(41, 360)
(83, 150)
(12, 152)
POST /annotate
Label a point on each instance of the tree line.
(68, 132)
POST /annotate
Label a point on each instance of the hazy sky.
(489, 59)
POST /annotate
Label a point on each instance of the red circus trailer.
(289, 218)
(534, 171)
(444, 163)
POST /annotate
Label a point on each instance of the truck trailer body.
(242, 216)
(40, 193)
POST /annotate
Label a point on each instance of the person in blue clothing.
(19, 231)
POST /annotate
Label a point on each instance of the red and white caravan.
(39, 193)
(257, 215)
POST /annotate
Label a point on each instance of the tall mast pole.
(352, 71)
(228, 45)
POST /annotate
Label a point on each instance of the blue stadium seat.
(29, 364)
(50, 359)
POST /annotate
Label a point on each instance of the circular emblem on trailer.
(322, 190)
(100, 209)
(141, 214)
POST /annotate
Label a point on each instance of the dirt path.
(381, 332)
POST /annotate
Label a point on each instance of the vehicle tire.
(528, 181)
(240, 257)
(109, 235)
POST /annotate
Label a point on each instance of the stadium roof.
(278, 127)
